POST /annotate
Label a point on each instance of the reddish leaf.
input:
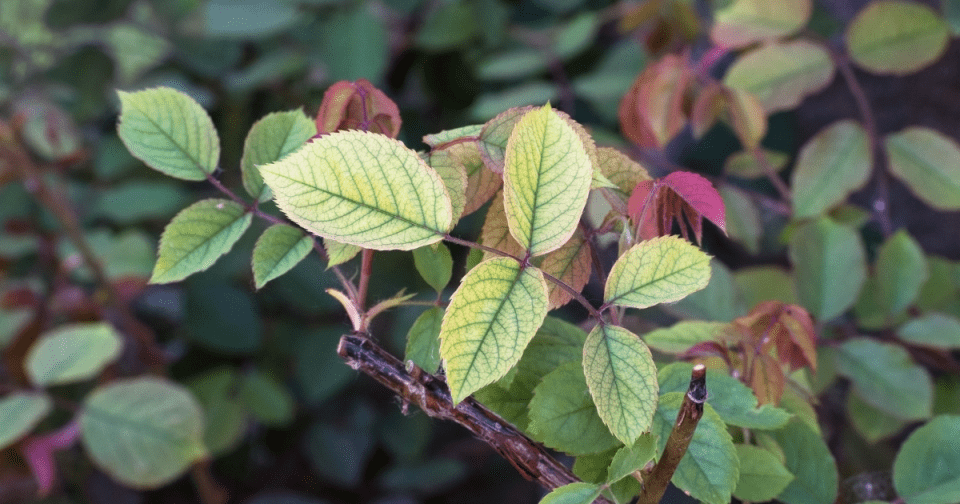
(651, 113)
(358, 105)
(706, 109)
(788, 327)
(38, 452)
(678, 196)
(767, 379)
(708, 349)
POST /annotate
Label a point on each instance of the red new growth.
(656, 204)
(358, 106)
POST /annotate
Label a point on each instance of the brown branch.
(415, 386)
(655, 483)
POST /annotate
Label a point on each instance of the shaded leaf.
(573, 493)
(20, 412)
(267, 400)
(924, 471)
(872, 423)
(742, 218)
(747, 117)
(632, 458)
(337, 188)
(339, 253)
(72, 353)
(885, 377)
(622, 379)
(677, 196)
(762, 476)
(928, 162)
(651, 111)
(225, 418)
(781, 75)
(834, 163)
(829, 265)
(423, 340)
(679, 337)
(169, 132)
(448, 163)
(434, 264)
(357, 106)
(657, 271)
(39, 452)
(810, 461)
(742, 22)
(563, 416)
(572, 264)
(935, 330)
(270, 139)
(900, 271)
(896, 37)
(744, 164)
(197, 237)
(491, 318)
(277, 251)
(496, 231)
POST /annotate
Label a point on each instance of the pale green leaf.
(744, 164)
(573, 493)
(709, 470)
(731, 399)
(495, 134)
(11, 322)
(339, 253)
(423, 340)
(490, 320)
(720, 300)
(197, 237)
(277, 251)
(362, 188)
(742, 217)
(679, 337)
(661, 270)
(896, 37)
(763, 283)
(622, 379)
(20, 412)
(437, 139)
(829, 265)
(448, 163)
(144, 432)
(900, 271)
(224, 414)
(810, 462)
(434, 264)
(72, 353)
(884, 376)
(511, 65)
(740, 23)
(928, 162)
(872, 423)
(563, 416)
(266, 399)
(270, 139)
(169, 132)
(925, 470)
(833, 164)
(547, 176)
(632, 458)
(935, 330)
(781, 75)
(762, 476)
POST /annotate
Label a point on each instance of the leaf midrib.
(196, 162)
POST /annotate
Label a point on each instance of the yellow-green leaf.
(277, 251)
(833, 164)
(339, 253)
(169, 132)
(781, 75)
(661, 270)
(896, 37)
(197, 237)
(364, 189)
(491, 318)
(745, 165)
(547, 176)
(573, 493)
(448, 165)
(928, 162)
(742, 22)
(72, 352)
(270, 139)
(622, 379)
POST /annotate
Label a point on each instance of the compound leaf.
(762, 475)
(490, 320)
(632, 458)
(573, 493)
(809, 460)
(423, 340)
(900, 271)
(935, 330)
(363, 189)
(434, 264)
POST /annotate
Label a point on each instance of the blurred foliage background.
(288, 422)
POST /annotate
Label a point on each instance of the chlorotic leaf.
(270, 139)
(364, 189)
(563, 416)
(928, 162)
(495, 134)
(277, 251)
(762, 476)
(632, 458)
(72, 353)
(934, 330)
(438, 139)
(900, 271)
(833, 164)
(144, 432)
(573, 493)
(339, 253)
(489, 322)
(709, 470)
(809, 460)
(829, 265)
(423, 340)
(782, 74)
(169, 132)
(885, 377)
(572, 264)
(896, 37)
(622, 379)
(742, 22)
(924, 471)
(660, 270)
(197, 237)
(448, 163)
(20, 412)
(434, 264)
(546, 176)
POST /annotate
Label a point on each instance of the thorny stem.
(881, 203)
(559, 283)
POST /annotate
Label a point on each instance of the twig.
(771, 174)
(366, 266)
(415, 386)
(656, 481)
